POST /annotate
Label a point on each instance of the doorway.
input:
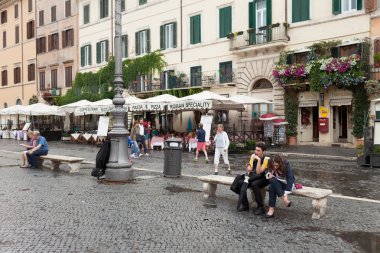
(315, 124)
(343, 122)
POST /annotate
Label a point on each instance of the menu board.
(268, 129)
(103, 125)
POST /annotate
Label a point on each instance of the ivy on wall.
(99, 85)
(291, 112)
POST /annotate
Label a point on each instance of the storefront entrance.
(309, 124)
(340, 123)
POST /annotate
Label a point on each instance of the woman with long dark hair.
(281, 183)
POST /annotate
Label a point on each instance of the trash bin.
(172, 157)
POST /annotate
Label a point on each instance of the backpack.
(102, 158)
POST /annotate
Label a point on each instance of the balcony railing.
(50, 93)
(259, 36)
(201, 79)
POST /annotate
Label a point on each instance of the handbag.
(235, 184)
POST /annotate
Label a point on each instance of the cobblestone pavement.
(46, 211)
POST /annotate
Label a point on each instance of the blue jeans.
(32, 158)
(276, 189)
(135, 148)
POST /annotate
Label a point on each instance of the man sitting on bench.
(41, 148)
(255, 171)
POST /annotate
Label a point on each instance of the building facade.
(231, 47)
(56, 46)
(17, 52)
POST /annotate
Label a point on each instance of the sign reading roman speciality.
(103, 125)
(190, 105)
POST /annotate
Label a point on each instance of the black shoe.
(266, 216)
(33, 167)
(215, 173)
(289, 204)
(243, 209)
(260, 210)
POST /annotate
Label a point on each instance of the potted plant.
(250, 144)
(376, 60)
(66, 137)
(375, 156)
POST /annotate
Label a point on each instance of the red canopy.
(268, 116)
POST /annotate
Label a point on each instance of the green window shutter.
(89, 55)
(296, 11)
(82, 56)
(221, 23)
(148, 40)
(251, 15)
(225, 21)
(359, 5)
(107, 50)
(174, 34)
(195, 29)
(307, 10)
(125, 46)
(252, 34)
(106, 10)
(162, 37)
(98, 53)
(137, 43)
(192, 19)
(377, 114)
(269, 12)
(86, 16)
(122, 5)
(336, 8)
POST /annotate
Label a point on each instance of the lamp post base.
(119, 175)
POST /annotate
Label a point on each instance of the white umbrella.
(164, 98)
(206, 95)
(13, 110)
(244, 99)
(71, 107)
(44, 109)
(99, 107)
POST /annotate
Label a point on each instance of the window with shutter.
(4, 78)
(300, 10)
(68, 8)
(4, 39)
(4, 17)
(41, 18)
(98, 52)
(54, 79)
(53, 13)
(30, 29)
(195, 29)
(86, 14)
(225, 21)
(17, 34)
(17, 75)
(124, 48)
(31, 72)
(143, 42)
(225, 72)
(69, 76)
(42, 80)
(30, 5)
(141, 2)
(343, 6)
(82, 57)
(123, 5)
(16, 10)
(103, 8)
(196, 76)
(168, 36)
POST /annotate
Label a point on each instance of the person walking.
(281, 183)
(141, 136)
(221, 148)
(201, 144)
(41, 148)
(135, 150)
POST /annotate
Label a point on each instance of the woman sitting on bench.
(281, 183)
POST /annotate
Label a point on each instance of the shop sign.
(190, 105)
(323, 112)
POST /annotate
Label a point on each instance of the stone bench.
(56, 160)
(318, 195)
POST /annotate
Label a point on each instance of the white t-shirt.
(141, 129)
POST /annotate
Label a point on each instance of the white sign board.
(26, 126)
(103, 125)
(152, 107)
(190, 105)
(376, 138)
(206, 120)
(92, 110)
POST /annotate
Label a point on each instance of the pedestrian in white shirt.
(221, 148)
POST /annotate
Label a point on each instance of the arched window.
(18, 102)
(262, 84)
(5, 105)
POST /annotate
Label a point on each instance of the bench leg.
(263, 193)
(319, 208)
(40, 162)
(209, 190)
(74, 167)
(55, 165)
